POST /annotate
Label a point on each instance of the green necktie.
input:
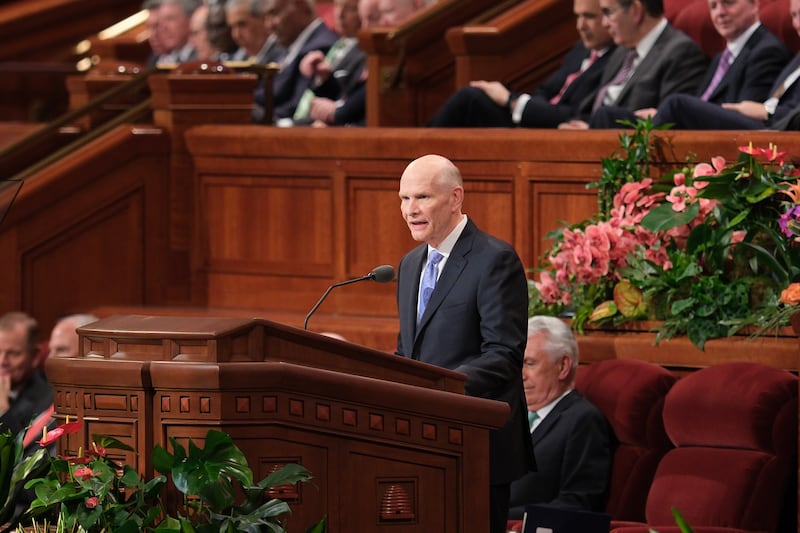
(532, 417)
(304, 105)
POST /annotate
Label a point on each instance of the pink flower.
(92, 502)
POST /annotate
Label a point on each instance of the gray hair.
(257, 8)
(188, 6)
(558, 337)
(79, 319)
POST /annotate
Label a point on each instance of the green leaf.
(663, 217)
(319, 527)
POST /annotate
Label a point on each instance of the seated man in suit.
(24, 391)
(653, 60)
(571, 438)
(745, 70)
(777, 111)
(247, 20)
(491, 104)
(173, 30)
(299, 31)
(335, 76)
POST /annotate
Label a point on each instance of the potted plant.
(702, 249)
(213, 477)
(90, 492)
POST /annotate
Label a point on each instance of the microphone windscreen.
(383, 273)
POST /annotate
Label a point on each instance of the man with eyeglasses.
(652, 60)
(490, 104)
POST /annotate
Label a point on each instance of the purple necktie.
(723, 66)
(621, 77)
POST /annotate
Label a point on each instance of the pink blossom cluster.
(598, 251)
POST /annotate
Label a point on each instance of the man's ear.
(566, 367)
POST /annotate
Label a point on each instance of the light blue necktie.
(428, 282)
(532, 417)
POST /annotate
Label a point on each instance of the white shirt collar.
(547, 409)
(646, 43)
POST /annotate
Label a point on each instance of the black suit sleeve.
(502, 305)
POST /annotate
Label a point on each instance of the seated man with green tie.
(571, 437)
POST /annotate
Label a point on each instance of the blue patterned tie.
(428, 282)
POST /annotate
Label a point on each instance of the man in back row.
(779, 109)
(299, 30)
(24, 391)
(558, 99)
(652, 60)
(752, 59)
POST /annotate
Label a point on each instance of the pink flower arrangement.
(703, 249)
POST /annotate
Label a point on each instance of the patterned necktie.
(574, 76)
(723, 66)
(621, 77)
(428, 282)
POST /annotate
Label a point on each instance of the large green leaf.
(663, 217)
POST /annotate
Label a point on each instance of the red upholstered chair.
(734, 427)
(631, 396)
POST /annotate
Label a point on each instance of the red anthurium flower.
(83, 472)
(749, 150)
(49, 437)
(67, 428)
(71, 427)
(97, 451)
(92, 502)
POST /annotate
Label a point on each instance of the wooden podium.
(393, 444)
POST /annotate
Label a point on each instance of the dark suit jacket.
(475, 323)
(675, 64)
(753, 71)
(288, 84)
(35, 398)
(579, 92)
(346, 75)
(572, 446)
(687, 112)
(470, 107)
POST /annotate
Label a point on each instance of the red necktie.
(574, 76)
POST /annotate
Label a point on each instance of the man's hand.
(494, 90)
(749, 108)
(5, 389)
(574, 125)
(312, 64)
(647, 112)
(322, 109)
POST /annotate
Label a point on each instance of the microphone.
(381, 274)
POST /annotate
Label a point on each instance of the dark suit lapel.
(453, 268)
(408, 299)
(648, 62)
(551, 420)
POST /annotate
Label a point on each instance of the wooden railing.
(520, 46)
